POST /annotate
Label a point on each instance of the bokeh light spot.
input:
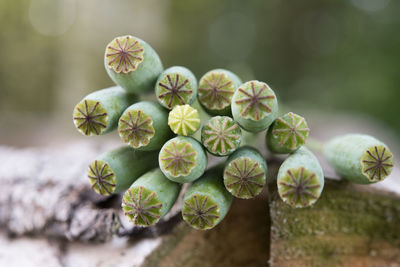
(370, 5)
(52, 17)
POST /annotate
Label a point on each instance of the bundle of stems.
(162, 153)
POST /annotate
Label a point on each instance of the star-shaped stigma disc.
(299, 187)
(90, 118)
(177, 158)
(136, 128)
(290, 130)
(101, 177)
(184, 120)
(221, 135)
(216, 90)
(244, 177)
(174, 89)
(377, 163)
(200, 211)
(142, 206)
(124, 54)
(255, 100)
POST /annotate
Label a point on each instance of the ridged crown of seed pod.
(216, 89)
(184, 120)
(176, 86)
(221, 135)
(255, 100)
(132, 64)
(287, 133)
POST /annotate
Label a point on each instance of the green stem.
(204, 117)
(176, 86)
(314, 145)
(216, 89)
(115, 170)
(359, 158)
(144, 126)
(184, 120)
(182, 159)
(254, 106)
(149, 198)
(287, 133)
(132, 64)
(98, 112)
(206, 201)
(221, 136)
(245, 173)
(251, 139)
(300, 179)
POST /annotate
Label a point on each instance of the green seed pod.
(115, 170)
(287, 133)
(245, 173)
(144, 126)
(184, 120)
(216, 89)
(359, 158)
(182, 159)
(132, 64)
(221, 136)
(176, 86)
(206, 201)
(98, 112)
(149, 198)
(254, 106)
(300, 179)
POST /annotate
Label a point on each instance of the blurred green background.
(329, 55)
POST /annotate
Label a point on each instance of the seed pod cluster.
(161, 151)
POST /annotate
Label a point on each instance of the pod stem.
(300, 179)
(149, 198)
(245, 173)
(314, 145)
(206, 202)
(221, 135)
(250, 139)
(184, 120)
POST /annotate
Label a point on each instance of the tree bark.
(45, 192)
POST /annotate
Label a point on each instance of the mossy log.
(350, 225)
